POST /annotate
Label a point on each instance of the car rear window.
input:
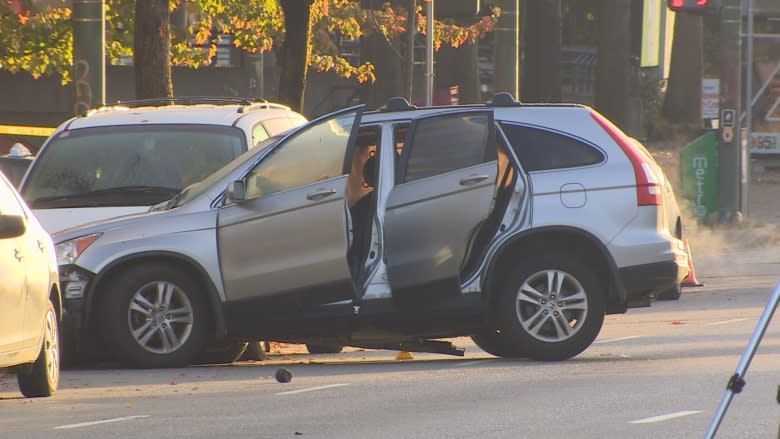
(127, 165)
(540, 149)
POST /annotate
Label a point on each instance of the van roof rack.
(189, 100)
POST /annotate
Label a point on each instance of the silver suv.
(518, 225)
(123, 158)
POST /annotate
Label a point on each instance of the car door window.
(314, 154)
(541, 150)
(446, 143)
(277, 125)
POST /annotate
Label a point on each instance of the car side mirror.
(11, 226)
(236, 192)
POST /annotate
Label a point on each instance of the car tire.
(256, 351)
(495, 343)
(223, 353)
(315, 348)
(551, 308)
(673, 293)
(41, 379)
(154, 317)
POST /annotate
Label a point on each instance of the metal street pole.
(506, 59)
(89, 48)
(429, 53)
(745, 205)
(731, 153)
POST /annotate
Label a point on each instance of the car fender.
(211, 291)
(617, 298)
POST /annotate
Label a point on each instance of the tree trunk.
(152, 49)
(388, 64)
(614, 69)
(458, 67)
(294, 53)
(541, 66)
(682, 102)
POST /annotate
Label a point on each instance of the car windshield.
(193, 191)
(127, 165)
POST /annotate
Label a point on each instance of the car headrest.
(369, 172)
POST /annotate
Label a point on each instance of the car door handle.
(320, 194)
(472, 179)
(18, 254)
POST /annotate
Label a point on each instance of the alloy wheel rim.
(551, 305)
(160, 317)
(52, 348)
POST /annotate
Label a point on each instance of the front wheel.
(154, 316)
(42, 378)
(551, 308)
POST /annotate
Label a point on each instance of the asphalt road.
(656, 372)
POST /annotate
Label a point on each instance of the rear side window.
(541, 150)
(445, 143)
(278, 125)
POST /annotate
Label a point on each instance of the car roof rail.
(188, 100)
(398, 103)
(262, 106)
(503, 99)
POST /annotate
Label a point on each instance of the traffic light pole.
(732, 155)
(89, 48)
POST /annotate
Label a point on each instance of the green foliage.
(41, 41)
(652, 92)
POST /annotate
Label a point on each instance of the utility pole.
(506, 59)
(89, 60)
(732, 154)
(429, 52)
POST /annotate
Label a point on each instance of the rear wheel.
(550, 309)
(42, 378)
(495, 343)
(673, 293)
(154, 316)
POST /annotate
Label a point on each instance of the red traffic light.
(690, 6)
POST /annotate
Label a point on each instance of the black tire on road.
(673, 293)
(496, 343)
(551, 307)
(42, 378)
(153, 316)
(315, 348)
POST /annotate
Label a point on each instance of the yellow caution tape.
(18, 130)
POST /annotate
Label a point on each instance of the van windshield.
(127, 165)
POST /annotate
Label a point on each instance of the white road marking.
(312, 389)
(612, 340)
(661, 418)
(469, 363)
(102, 421)
(725, 322)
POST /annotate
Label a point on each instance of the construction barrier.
(19, 130)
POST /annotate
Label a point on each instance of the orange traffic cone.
(691, 280)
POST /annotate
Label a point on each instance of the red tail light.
(648, 186)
